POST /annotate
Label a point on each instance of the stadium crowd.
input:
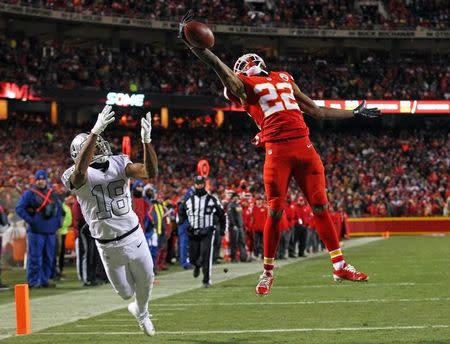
(325, 75)
(331, 14)
(369, 173)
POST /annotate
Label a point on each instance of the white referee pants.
(129, 267)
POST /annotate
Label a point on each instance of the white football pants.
(129, 267)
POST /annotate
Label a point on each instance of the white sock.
(339, 265)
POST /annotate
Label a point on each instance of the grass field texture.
(406, 301)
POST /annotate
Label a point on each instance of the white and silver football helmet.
(250, 64)
(102, 152)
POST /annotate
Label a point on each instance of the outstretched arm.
(149, 169)
(310, 108)
(79, 175)
(229, 80)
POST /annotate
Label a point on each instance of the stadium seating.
(49, 64)
(330, 14)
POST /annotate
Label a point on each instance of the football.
(199, 35)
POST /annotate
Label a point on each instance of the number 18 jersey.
(272, 105)
(105, 199)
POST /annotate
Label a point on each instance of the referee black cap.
(199, 180)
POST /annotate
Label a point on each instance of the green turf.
(409, 286)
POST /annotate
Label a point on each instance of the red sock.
(327, 233)
(271, 237)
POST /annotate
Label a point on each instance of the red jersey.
(272, 105)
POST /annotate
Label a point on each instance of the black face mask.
(200, 192)
(137, 193)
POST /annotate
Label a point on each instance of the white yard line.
(286, 330)
(60, 309)
(309, 302)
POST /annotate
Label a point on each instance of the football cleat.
(264, 285)
(145, 324)
(349, 273)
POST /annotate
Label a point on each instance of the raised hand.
(146, 128)
(186, 19)
(362, 112)
(104, 118)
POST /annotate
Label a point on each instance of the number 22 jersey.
(105, 199)
(272, 105)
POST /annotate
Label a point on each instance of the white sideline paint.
(60, 309)
(278, 330)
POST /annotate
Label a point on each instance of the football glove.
(104, 118)
(186, 19)
(146, 128)
(362, 112)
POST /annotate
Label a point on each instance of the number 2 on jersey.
(268, 102)
(118, 205)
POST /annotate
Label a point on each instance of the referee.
(200, 209)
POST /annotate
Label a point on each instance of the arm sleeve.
(22, 205)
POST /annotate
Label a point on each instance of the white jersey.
(105, 199)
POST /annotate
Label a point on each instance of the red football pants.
(295, 158)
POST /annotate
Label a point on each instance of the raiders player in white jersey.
(101, 182)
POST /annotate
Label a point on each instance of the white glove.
(104, 118)
(146, 128)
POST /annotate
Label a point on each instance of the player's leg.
(310, 176)
(277, 173)
(141, 270)
(115, 267)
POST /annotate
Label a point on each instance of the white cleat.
(145, 324)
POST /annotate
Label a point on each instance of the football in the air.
(199, 35)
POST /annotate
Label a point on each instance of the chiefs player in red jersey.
(276, 104)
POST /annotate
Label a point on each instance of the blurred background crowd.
(369, 172)
(321, 74)
(332, 14)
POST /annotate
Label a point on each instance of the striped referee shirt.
(201, 211)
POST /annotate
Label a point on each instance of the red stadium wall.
(398, 225)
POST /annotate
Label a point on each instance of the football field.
(407, 300)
